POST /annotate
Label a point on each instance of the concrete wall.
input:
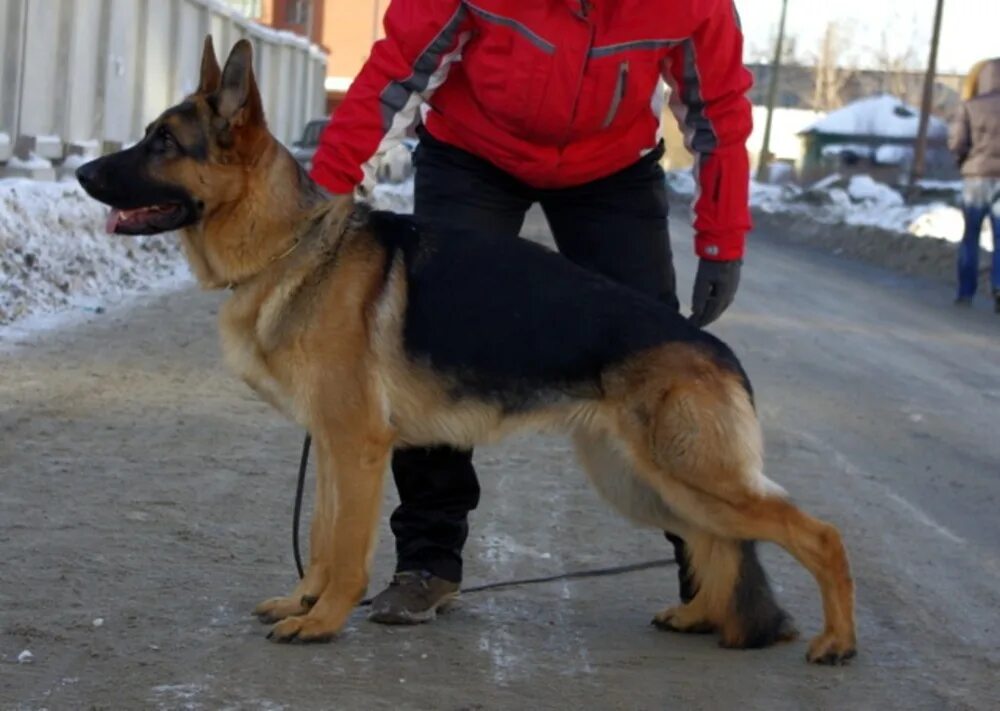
(83, 76)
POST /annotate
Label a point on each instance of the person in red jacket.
(556, 103)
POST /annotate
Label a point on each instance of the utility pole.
(920, 152)
(764, 159)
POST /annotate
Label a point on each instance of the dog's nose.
(87, 174)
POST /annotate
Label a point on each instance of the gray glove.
(714, 290)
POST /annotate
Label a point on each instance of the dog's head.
(193, 158)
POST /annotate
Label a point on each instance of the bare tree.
(790, 50)
(833, 68)
(898, 66)
(757, 53)
(764, 53)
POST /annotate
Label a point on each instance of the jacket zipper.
(619, 94)
(579, 80)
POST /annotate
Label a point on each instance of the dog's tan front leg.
(308, 590)
(352, 463)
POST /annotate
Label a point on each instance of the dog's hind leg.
(695, 439)
(733, 594)
(815, 544)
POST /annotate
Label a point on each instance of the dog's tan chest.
(240, 331)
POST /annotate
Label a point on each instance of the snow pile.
(885, 116)
(856, 201)
(32, 162)
(863, 189)
(54, 252)
(682, 182)
(943, 221)
(892, 154)
(835, 150)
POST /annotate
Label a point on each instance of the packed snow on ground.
(858, 200)
(55, 254)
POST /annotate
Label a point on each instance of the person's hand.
(714, 289)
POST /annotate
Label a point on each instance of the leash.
(297, 513)
(503, 584)
(573, 575)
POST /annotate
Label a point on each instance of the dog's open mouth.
(147, 220)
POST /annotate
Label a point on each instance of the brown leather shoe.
(413, 596)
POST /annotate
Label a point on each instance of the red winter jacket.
(557, 93)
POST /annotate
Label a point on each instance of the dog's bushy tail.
(756, 619)
(733, 592)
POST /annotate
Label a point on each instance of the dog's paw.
(684, 619)
(830, 648)
(303, 628)
(278, 608)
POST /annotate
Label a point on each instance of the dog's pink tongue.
(113, 219)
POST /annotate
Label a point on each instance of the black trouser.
(615, 225)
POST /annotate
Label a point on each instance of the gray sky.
(970, 30)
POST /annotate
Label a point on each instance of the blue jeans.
(982, 201)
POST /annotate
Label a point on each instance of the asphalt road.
(146, 496)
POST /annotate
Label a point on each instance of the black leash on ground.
(573, 575)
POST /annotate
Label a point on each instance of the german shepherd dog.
(373, 331)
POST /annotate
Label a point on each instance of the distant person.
(975, 141)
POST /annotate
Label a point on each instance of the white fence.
(86, 76)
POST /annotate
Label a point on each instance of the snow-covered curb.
(861, 218)
(857, 201)
(929, 257)
(55, 254)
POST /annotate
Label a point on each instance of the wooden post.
(764, 159)
(920, 152)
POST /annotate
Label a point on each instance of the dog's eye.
(165, 142)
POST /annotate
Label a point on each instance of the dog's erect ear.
(211, 74)
(238, 99)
